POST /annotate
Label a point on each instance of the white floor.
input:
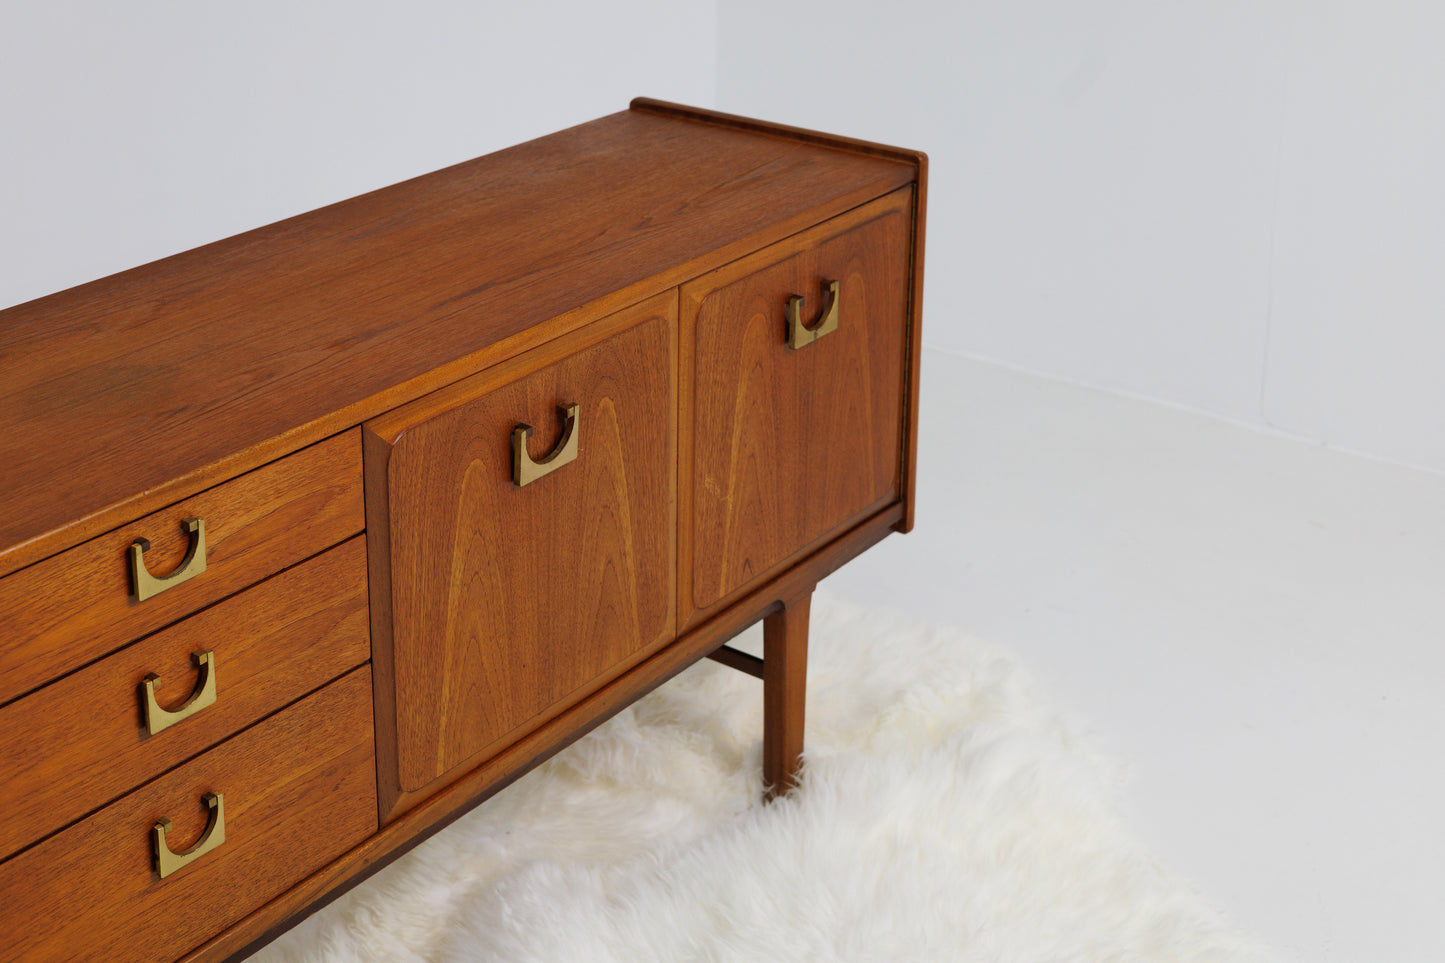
(1251, 624)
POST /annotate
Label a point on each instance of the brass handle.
(194, 563)
(524, 469)
(168, 862)
(799, 334)
(204, 694)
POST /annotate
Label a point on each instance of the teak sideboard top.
(131, 392)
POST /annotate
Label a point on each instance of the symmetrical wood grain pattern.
(506, 600)
(143, 385)
(78, 743)
(788, 445)
(299, 792)
(77, 606)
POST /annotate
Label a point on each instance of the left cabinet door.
(521, 570)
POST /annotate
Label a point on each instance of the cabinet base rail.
(738, 659)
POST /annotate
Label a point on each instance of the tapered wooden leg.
(785, 677)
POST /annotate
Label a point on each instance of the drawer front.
(792, 442)
(78, 743)
(297, 791)
(510, 599)
(82, 604)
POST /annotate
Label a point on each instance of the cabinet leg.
(785, 677)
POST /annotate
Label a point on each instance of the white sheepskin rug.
(945, 814)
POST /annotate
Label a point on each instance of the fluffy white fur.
(946, 814)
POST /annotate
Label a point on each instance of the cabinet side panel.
(915, 347)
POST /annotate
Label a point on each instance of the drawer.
(792, 442)
(77, 606)
(509, 599)
(78, 743)
(297, 791)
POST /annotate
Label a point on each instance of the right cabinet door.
(798, 358)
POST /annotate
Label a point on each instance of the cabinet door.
(795, 434)
(515, 592)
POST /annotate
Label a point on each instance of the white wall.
(130, 131)
(1232, 205)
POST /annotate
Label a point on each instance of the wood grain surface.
(805, 135)
(919, 162)
(626, 265)
(787, 446)
(141, 385)
(915, 343)
(421, 815)
(299, 791)
(785, 685)
(72, 608)
(77, 744)
(507, 600)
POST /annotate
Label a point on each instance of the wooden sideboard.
(314, 537)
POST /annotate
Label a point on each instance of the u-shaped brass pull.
(799, 334)
(204, 694)
(168, 862)
(524, 469)
(194, 563)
